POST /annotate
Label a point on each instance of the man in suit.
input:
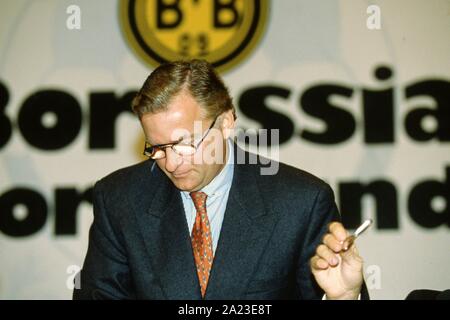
(195, 222)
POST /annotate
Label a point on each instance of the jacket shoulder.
(291, 188)
(126, 178)
(291, 179)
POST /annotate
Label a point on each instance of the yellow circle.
(223, 32)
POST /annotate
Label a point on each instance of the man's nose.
(173, 160)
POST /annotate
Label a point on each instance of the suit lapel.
(245, 232)
(165, 231)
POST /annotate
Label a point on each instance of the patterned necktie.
(201, 240)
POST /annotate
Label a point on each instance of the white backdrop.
(306, 43)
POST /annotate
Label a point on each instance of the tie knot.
(199, 199)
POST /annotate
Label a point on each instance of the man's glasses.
(181, 148)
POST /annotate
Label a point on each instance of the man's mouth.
(181, 175)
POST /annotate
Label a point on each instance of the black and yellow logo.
(223, 32)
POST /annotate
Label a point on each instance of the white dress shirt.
(217, 191)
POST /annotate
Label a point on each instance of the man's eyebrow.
(187, 136)
(179, 139)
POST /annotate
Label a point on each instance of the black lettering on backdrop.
(105, 108)
(340, 124)
(252, 103)
(64, 108)
(67, 201)
(36, 207)
(5, 124)
(378, 124)
(419, 202)
(440, 92)
(378, 110)
(386, 203)
(383, 192)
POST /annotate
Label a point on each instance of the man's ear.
(227, 124)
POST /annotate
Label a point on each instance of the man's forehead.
(177, 121)
(180, 112)
(162, 133)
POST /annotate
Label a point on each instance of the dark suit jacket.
(140, 248)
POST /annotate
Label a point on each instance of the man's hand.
(337, 271)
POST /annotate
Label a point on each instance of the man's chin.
(184, 183)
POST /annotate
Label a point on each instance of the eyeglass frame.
(171, 144)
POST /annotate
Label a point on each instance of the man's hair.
(196, 76)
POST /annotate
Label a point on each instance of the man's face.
(188, 173)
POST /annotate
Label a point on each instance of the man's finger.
(318, 263)
(351, 253)
(327, 254)
(332, 242)
(338, 230)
